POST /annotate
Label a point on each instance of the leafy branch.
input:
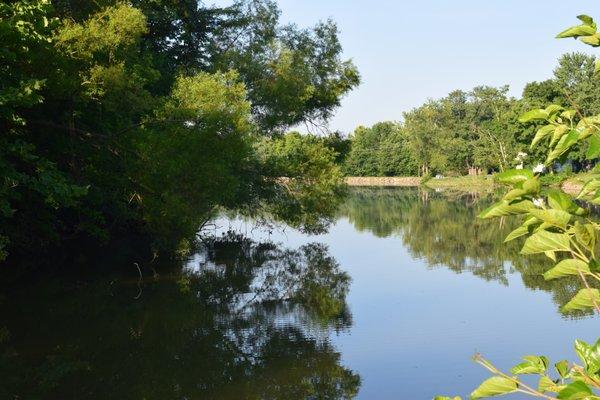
(555, 225)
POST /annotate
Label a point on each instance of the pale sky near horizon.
(409, 51)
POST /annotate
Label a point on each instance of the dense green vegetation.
(147, 117)
(473, 131)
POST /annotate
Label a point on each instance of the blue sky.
(409, 51)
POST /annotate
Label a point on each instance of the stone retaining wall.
(383, 181)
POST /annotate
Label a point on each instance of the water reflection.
(243, 320)
(444, 230)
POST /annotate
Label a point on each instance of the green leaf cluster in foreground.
(557, 226)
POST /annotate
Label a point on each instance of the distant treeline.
(470, 131)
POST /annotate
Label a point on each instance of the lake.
(391, 303)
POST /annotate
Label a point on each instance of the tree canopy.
(149, 116)
(473, 131)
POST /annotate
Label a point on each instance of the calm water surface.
(390, 304)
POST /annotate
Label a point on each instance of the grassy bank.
(463, 183)
(570, 183)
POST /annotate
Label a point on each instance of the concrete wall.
(383, 181)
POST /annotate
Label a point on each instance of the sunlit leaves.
(543, 241)
(561, 201)
(584, 300)
(512, 176)
(594, 147)
(587, 28)
(505, 208)
(590, 190)
(494, 386)
(517, 233)
(542, 133)
(585, 234)
(565, 143)
(562, 230)
(576, 390)
(562, 367)
(531, 365)
(547, 385)
(589, 355)
(534, 115)
(552, 217)
(566, 268)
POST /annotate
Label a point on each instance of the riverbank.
(461, 183)
(400, 181)
(571, 185)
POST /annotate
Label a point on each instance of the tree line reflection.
(241, 320)
(443, 229)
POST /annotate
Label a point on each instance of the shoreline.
(399, 181)
(462, 183)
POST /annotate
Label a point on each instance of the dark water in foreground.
(390, 304)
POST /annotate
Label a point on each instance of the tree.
(145, 117)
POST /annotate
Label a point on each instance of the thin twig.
(139, 281)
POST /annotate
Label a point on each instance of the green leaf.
(564, 144)
(553, 217)
(494, 386)
(589, 189)
(514, 194)
(446, 398)
(543, 241)
(532, 186)
(531, 365)
(542, 133)
(517, 233)
(593, 40)
(534, 115)
(597, 68)
(558, 133)
(523, 230)
(583, 300)
(553, 109)
(513, 176)
(569, 114)
(559, 200)
(577, 31)
(504, 208)
(590, 355)
(562, 367)
(593, 150)
(548, 385)
(566, 268)
(551, 255)
(574, 391)
(587, 20)
(585, 235)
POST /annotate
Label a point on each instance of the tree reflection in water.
(242, 320)
(443, 229)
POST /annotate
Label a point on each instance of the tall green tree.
(146, 116)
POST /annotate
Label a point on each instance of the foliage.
(381, 150)
(477, 131)
(310, 183)
(561, 229)
(146, 117)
